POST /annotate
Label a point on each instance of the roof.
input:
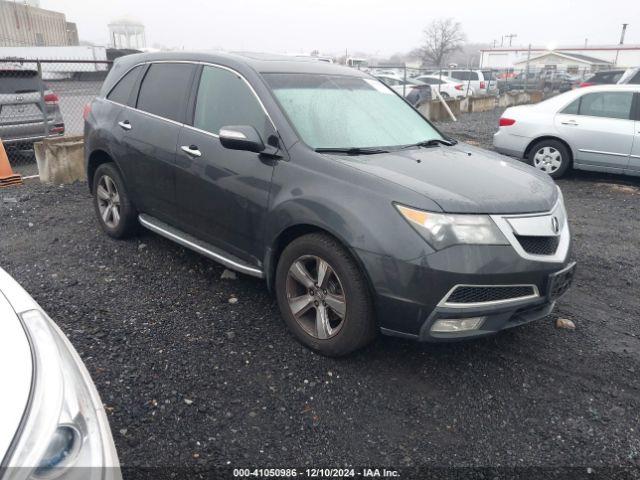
(259, 62)
(572, 56)
(574, 48)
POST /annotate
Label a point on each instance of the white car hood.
(16, 368)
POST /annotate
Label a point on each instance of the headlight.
(441, 230)
(65, 425)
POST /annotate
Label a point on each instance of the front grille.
(539, 245)
(472, 294)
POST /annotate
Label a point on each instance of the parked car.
(447, 87)
(414, 91)
(593, 128)
(359, 214)
(477, 82)
(548, 81)
(612, 77)
(22, 121)
(52, 418)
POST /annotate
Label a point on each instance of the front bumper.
(501, 285)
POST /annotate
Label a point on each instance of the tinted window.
(225, 99)
(463, 75)
(607, 104)
(635, 80)
(19, 81)
(122, 91)
(606, 77)
(164, 89)
(487, 74)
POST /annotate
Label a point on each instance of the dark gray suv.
(359, 214)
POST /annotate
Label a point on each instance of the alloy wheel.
(547, 159)
(108, 201)
(316, 297)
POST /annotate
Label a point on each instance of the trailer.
(82, 60)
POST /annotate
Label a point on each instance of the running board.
(203, 248)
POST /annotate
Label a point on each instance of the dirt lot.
(189, 378)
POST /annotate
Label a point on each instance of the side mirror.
(241, 137)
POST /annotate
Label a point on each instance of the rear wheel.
(323, 296)
(550, 156)
(116, 214)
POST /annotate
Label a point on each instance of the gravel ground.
(189, 378)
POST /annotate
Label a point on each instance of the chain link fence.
(43, 99)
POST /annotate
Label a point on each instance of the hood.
(15, 373)
(464, 179)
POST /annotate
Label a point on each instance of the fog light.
(457, 325)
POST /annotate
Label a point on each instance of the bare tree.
(441, 38)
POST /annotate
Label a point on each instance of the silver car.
(23, 99)
(594, 128)
(52, 420)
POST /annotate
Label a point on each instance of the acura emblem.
(555, 225)
(19, 98)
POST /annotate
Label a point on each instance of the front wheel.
(550, 156)
(323, 296)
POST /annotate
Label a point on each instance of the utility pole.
(511, 36)
(624, 30)
(526, 72)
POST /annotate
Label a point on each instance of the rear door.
(600, 129)
(223, 194)
(150, 135)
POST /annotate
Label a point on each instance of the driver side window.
(225, 99)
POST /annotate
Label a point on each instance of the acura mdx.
(360, 215)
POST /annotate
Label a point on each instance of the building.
(566, 58)
(127, 33)
(28, 25)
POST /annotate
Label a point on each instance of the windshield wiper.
(353, 150)
(432, 143)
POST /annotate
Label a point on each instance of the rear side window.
(225, 99)
(608, 78)
(607, 104)
(635, 80)
(122, 91)
(164, 90)
(19, 81)
(487, 74)
(573, 108)
(464, 75)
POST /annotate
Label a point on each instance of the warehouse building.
(568, 58)
(28, 25)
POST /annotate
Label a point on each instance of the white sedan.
(448, 87)
(51, 416)
(594, 128)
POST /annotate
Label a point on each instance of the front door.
(599, 128)
(223, 194)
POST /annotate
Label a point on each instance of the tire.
(341, 335)
(123, 223)
(445, 96)
(550, 156)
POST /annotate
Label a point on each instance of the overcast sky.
(331, 26)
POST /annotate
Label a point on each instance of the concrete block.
(60, 160)
(435, 111)
(481, 104)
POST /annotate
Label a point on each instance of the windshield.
(334, 111)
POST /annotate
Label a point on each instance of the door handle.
(571, 123)
(125, 125)
(191, 150)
